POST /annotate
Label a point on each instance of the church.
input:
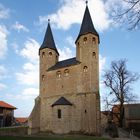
(69, 99)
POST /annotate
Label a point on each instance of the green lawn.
(52, 138)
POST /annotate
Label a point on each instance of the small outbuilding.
(6, 114)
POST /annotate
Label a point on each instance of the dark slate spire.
(87, 25)
(49, 40)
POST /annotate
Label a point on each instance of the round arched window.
(50, 53)
(66, 72)
(94, 54)
(43, 54)
(94, 40)
(58, 74)
(85, 68)
(85, 39)
(78, 43)
(43, 77)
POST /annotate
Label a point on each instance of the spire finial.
(86, 2)
(48, 20)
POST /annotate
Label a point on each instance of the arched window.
(43, 77)
(50, 53)
(59, 113)
(78, 44)
(43, 54)
(94, 40)
(85, 40)
(66, 72)
(58, 74)
(85, 68)
(94, 55)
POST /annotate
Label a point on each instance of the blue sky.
(22, 27)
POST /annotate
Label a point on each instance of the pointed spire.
(87, 24)
(48, 39)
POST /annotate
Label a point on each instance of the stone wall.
(34, 118)
(14, 131)
(80, 117)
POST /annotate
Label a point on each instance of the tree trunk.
(121, 116)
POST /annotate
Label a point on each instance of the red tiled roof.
(6, 105)
(21, 120)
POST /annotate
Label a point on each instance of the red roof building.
(6, 114)
(21, 120)
(6, 105)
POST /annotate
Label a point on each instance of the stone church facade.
(69, 100)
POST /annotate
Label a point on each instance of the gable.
(62, 101)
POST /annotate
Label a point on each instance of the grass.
(52, 138)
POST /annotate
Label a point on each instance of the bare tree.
(119, 80)
(128, 13)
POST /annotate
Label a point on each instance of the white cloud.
(71, 12)
(30, 92)
(70, 40)
(29, 75)
(30, 70)
(3, 40)
(102, 61)
(115, 4)
(30, 50)
(2, 86)
(19, 27)
(4, 13)
(27, 94)
(65, 53)
(3, 72)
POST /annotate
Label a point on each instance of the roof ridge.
(64, 63)
(66, 59)
(6, 105)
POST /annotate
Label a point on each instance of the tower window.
(50, 53)
(66, 72)
(85, 39)
(58, 74)
(85, 68)
(78, 43)
(94, 40)
(43, 54)
(43, 77)
(85, 111)
(94, 54)
(59, 115)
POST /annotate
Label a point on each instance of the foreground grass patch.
(52, 138)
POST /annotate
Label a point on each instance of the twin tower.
(69, 100)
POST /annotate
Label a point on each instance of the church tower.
(87, 50)
(48, 55)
